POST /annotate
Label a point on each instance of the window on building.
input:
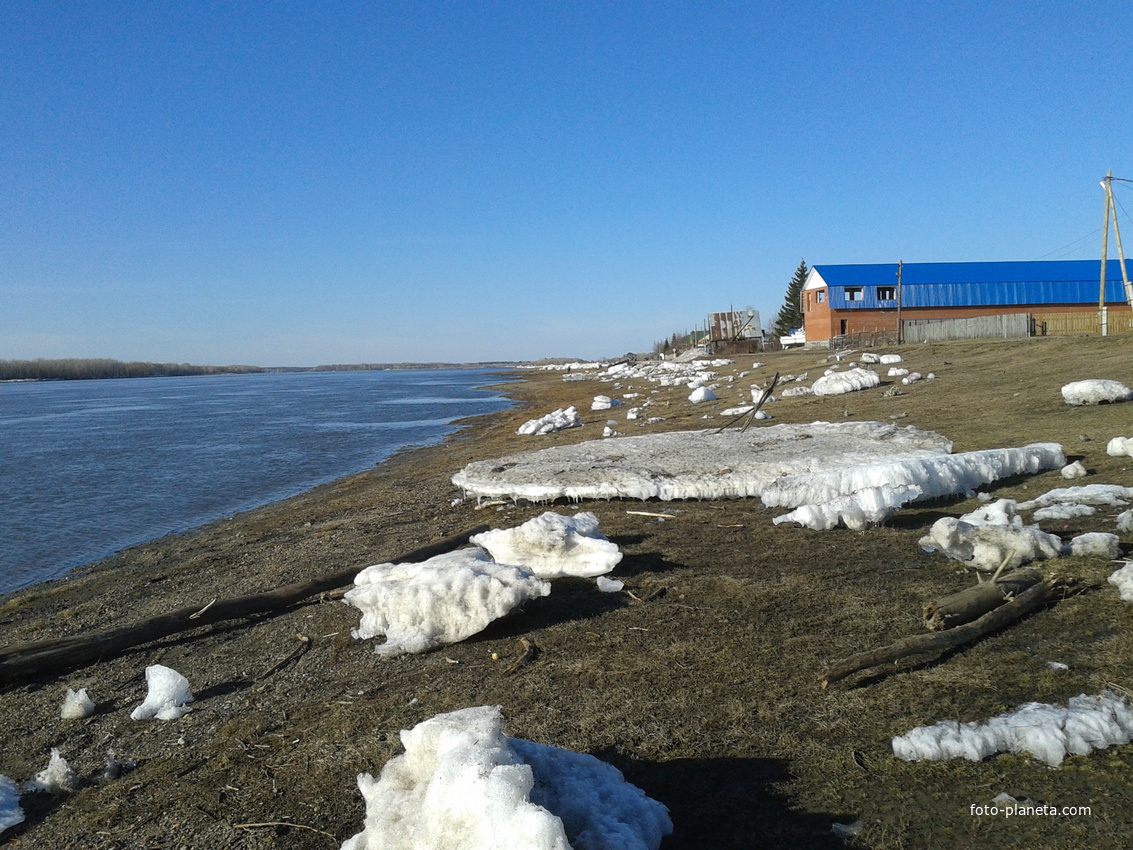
(820, 296)
(886, 293)
(854, 293)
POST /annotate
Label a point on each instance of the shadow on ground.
(728, 803)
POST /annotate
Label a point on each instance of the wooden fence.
(1069, 324)
(977, 327)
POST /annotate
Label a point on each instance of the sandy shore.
(699, 683)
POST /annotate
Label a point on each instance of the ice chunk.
(443, 600)
(56, 778)
(1125, 521)
(869, 506)
(1063, 511)
(556, 421)
(552, 545)
(702, 394)
(10, 811)
(846, 382)
(911, 378)
(695, 464)
(462, 783)
(1074, 470)
(168, 695)
(1095, 392)
(1111, 495)
(897, 372)
(603, 402)
(887, 359)
(792, 392)
(1122, 579)
(1047, 732)
(76, 706)
(990, 537)
(1096, 544)
(609, 585)
(936, 476)
(1119, 447)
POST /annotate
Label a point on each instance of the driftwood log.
(28, 660)
(975, 601)
(936, 642)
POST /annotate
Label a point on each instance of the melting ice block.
(1095, 391)
(552, 545)
(168, 695)
(935, 475)
(462, 783)
(56, 778)
(991, 536)
(862, 508)
(76, 706)
(443, 600)
(10, 811)
(556, 421)
(838, 383)
(1047, 732)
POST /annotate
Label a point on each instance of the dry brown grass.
(705, 694)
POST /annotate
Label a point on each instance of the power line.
(1071, 244)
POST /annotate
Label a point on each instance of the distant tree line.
(73, 369)
(677, 342)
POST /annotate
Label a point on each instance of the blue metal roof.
(973, 284)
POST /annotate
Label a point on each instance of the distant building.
(846, 299)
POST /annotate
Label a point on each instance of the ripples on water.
(91, 467)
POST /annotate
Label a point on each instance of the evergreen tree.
(791, 313)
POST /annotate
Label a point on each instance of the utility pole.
(1110, 206)
(900, 327)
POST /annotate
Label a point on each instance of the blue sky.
(304, 183)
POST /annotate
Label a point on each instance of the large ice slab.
(442, 600)
(695, 464)
(463, 783)
(552, 546)
(1047, 732)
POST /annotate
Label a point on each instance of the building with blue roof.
(848, 299)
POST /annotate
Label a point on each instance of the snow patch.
(1074, 470)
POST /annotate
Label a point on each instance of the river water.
(88, 468)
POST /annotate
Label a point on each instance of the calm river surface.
(91, 467)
